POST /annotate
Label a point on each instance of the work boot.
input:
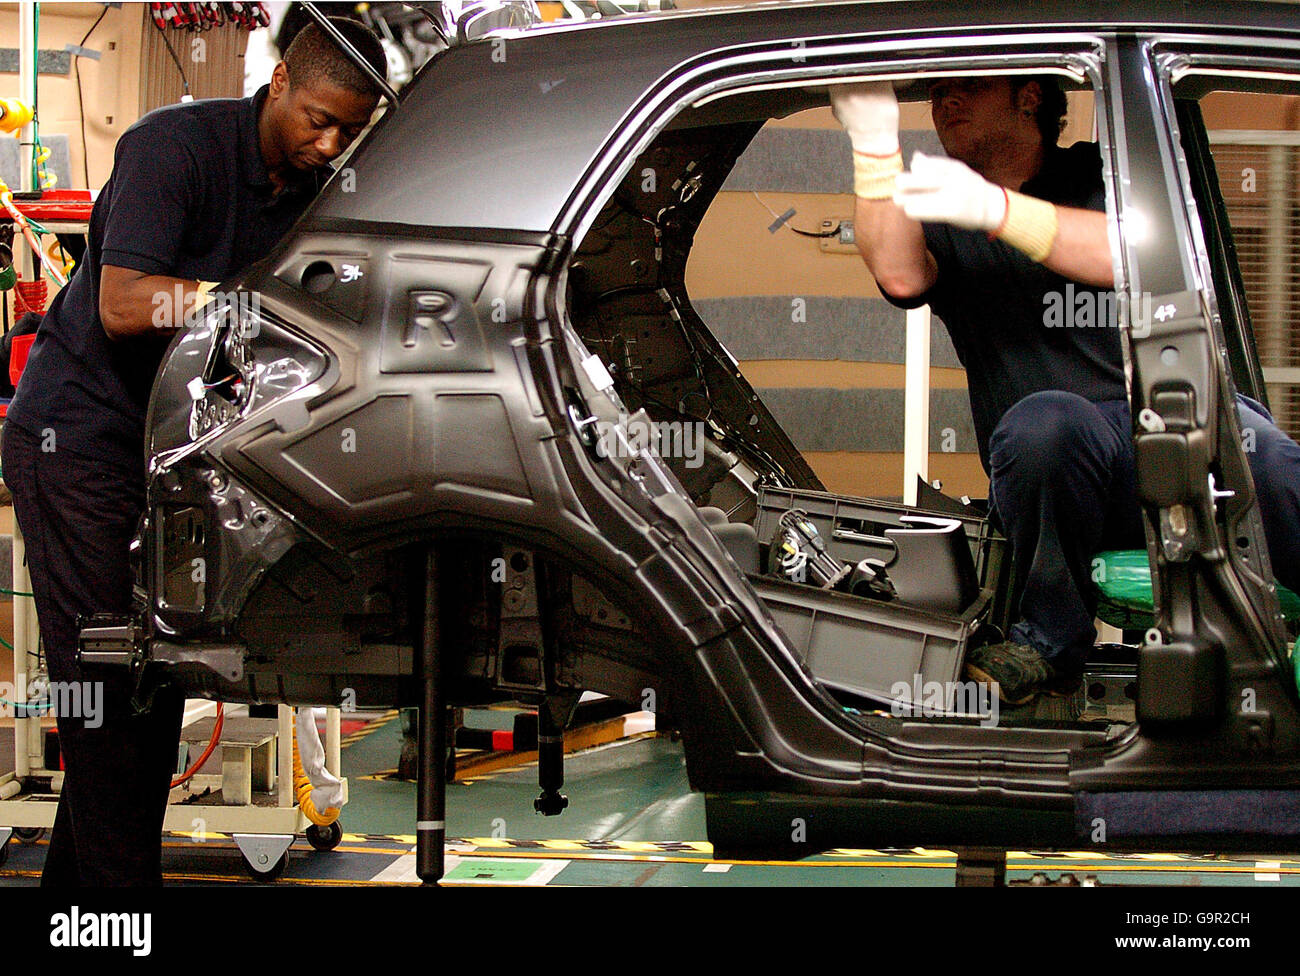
(1019, 672)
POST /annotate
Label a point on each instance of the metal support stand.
(550, 763)
(981, 867)
(431, 804)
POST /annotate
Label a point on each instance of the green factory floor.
(632, 820)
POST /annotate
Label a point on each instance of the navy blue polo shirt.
(1018, 327)
(189, 197)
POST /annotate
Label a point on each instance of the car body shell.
(440, 399)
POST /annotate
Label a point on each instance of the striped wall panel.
(819, 327)
(809, 327)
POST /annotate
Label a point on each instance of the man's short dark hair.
(313, 57)
(1051, 107)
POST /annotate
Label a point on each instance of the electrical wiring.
(611, 336)
(29, 230)
(801, 233)
(733, 440)
(81, 104)
(310, 774)
(185, 82)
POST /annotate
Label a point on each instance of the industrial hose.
(212, 744)
(315, 778)
(29, 234)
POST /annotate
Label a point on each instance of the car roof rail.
(463, 21)
(353, 54)
(482, 17)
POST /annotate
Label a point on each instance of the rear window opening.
(721, 285)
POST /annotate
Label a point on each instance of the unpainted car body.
(417, 387)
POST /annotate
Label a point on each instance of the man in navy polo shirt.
(987, 236)
(198, 192)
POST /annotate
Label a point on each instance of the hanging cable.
(790, 213)
(195, 766)
(185, 82)
(81, 104)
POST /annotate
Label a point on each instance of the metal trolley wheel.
(325, 838)
(273, 873)
(266, 856)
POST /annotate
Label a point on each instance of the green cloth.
(1124, 579)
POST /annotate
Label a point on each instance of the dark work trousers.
(1064, 486)
(77, 516)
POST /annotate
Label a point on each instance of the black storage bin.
(854, 528)
(861, 645)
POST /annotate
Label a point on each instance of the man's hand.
(1069, 241)
(939, 189)
(869, 111)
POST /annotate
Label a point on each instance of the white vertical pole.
(916, 402)
(284, 756)
(26, 92)
(22, 766)
(333, 741)
(27, 731)
(29, 265)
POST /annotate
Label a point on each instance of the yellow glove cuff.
(203, 293)
(873, 176)
(1030, 224)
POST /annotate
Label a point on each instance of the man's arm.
(132, 303)
(893, 247)
(153, 198)
(1081, 251)
(1070, 241)
(891, 243)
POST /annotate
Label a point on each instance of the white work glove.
(939, 189)
(949, 191)
(869, 111)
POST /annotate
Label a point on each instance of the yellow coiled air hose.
(302, 786)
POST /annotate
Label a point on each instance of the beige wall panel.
(108, 86)
(735, 255)
(880, 475)
(1229, 110)
(842, 375)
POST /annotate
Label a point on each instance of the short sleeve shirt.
(189, 197)
(1017, 327)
